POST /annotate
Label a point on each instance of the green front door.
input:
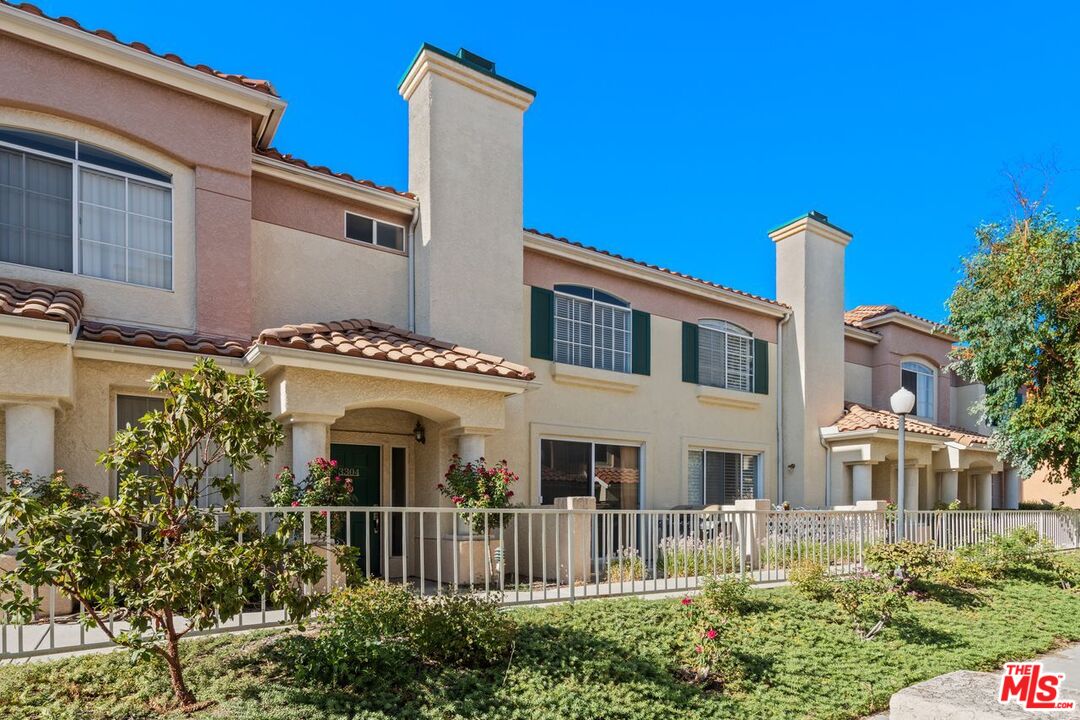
(362, 463)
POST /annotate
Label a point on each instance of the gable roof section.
(379, 341)
(657, 268)
(41, 302)
(857, 417)
(262, 86)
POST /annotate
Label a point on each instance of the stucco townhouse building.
(146, 220)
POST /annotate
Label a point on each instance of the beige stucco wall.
(962, 398)
(107, 299)
(303, 277)
(35, 371)
(858, 383)
(1037, 488)
(662, 413)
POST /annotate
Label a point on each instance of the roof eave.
(313, 179)
(627, 267)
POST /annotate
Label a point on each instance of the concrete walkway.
(966, 695)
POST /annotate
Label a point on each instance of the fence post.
(753, 527)
(570, 549)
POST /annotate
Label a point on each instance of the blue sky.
(679, 134)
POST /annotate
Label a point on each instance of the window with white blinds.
(131, 408)
(725, 355)
(919, 379)
(721, 478)
(592, 329)
(122, 210)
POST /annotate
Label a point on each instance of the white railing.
(535, 555)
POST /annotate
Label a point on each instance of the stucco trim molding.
(429, 62)
(809, 224)
(728, 398)
(866, 336)
(35, 329)
(173, 359)
(265, 358)
(126, 59)
(905, 320)
(594, 378)
(320, 182)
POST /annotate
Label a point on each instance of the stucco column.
(862, 482)
(911, 488)
(948, 486)
(310, 439)
(30, 437)
(983, 491)
(470, 447)
(1012, 488)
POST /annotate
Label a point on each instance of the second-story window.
(725, 355)
(374, 232)
(919, 379)
(49, 186)
(592, 328)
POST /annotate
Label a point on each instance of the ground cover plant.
(798, 658)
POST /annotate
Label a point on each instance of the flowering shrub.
(475, 485)
(870, 602)
(918, 563)
(48, 489)
(626, 565)
(709, 656)
(322, 487)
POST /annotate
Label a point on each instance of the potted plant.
(478, 485)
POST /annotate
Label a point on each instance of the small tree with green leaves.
(172, 566)
(1016, 313)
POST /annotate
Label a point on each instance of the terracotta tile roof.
(379, 341)
(260, 85)
(276, 154)
(676, 273)
(42, 302)
(857, 316)
(857, 417)
(618, 475)
(161, 340)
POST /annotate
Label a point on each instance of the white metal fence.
(534, 555)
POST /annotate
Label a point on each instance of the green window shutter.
(641, 352)
(690, 352)
(542, 324)
(761, 366)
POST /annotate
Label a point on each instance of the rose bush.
(323, 487)
(476, 485)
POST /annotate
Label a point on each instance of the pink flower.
(333, 463)
(457, 499)
(686, 601)
(711, 634)
(323, 513)
(699, 649)
(509, 493)
(295, 503)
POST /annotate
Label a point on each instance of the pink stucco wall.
(899, 343)
(298, 208)
(543, 270)
(213, 140)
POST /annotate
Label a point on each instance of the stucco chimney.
(465, 165)
(810, 278)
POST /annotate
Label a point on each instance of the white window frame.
(922, 370)
(76, 170)
(375, 222)
(592, 443)
(595, 348)
(759, 484)
(730, 330)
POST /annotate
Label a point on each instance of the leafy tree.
(173, 567)
(1017, 315)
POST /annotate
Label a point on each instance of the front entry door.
(362, 463)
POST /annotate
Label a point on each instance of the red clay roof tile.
(161, 339)
(379, 341)
(275, 154)
(43, 302)
(857, 417)
(260, 85)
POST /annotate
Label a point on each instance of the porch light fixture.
(902, 402)
(418, 433)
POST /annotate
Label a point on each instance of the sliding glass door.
(609, 472)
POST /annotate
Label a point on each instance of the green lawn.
(595, 659)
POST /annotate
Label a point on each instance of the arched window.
(592, 328)
(725, 355)
(69, 206)
(919, 379)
